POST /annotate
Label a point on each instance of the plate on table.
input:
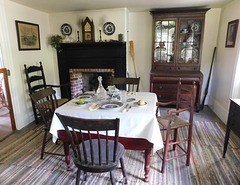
(136, 104)
(84, 96)
(111, 105)
(131, 99)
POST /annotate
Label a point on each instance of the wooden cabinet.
(176, 51)
(233, 122)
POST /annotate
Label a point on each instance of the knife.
(129, 107)
(125, 108)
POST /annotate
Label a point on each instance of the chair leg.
(175, 138)
(84, 176)
(123, 170)
(112, 178)
(44, 143)
(35, 113)
(165, 150)
(78, 176)
(189, 144)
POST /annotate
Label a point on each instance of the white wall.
(15, 59)
(212, 21)
(140, 32)
(224, 67)
(99, 17)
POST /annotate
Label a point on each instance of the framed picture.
(231, 34)
(28, 36)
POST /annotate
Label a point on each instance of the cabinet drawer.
(165, 97)
(164, 87)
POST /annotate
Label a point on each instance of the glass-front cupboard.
(176, 50)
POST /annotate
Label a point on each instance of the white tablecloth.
(138, 122)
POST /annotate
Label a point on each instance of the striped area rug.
(20, 162)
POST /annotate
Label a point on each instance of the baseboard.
(218, 109)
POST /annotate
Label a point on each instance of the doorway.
(7, 121)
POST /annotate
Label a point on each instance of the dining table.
(138, 130)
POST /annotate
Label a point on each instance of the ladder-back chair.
(173, 121)
(131, 84)
(36, 81)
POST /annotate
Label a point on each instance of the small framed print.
(28, 36)
(231, 34)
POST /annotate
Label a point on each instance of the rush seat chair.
(36, 81)
(173, 121)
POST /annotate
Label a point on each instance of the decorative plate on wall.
(108, 28)
(66, 29)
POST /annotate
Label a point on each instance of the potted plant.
(56, 41)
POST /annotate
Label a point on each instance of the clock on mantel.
(88, 30)
(176, 51)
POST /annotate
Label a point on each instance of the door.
(6, 111)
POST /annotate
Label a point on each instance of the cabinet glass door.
(189, 41)
(164, 41)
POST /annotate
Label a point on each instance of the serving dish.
(188, 53)
(85, 96)
(195, 27)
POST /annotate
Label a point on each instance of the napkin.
(93, 107)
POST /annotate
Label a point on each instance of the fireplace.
(83, 80)
(91, 57)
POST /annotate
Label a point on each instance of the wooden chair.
(131, 84)
(97, 154)
(172, 121)
(36, 81)
(46, 103)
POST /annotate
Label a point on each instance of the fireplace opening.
(83, 80)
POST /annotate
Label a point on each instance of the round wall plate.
(66, 29)
(108, 28)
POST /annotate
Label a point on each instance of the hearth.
(83, 80)
(91, 56)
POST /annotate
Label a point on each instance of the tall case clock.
(88, 30)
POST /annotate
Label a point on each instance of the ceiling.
(53, 6)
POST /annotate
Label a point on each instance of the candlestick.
(100, 40)
(78, 36)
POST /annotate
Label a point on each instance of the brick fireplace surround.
(77, 80)
(93, 57)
